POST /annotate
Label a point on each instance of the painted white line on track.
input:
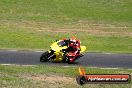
(17, 65)
(66, 66)
(129, 69)
(70, 66)
(92, 67)
(109, 68)
(38, 51)
(107, 53)
(24, 50)
(13, 50)
(97, 67)
(5, 64)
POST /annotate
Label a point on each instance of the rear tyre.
(44, 57)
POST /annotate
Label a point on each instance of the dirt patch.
(92, 31)
(81, 26)
(53, 79)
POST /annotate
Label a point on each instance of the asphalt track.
(89, 59)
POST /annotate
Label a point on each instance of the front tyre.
(44, 57)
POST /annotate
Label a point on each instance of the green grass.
(17, 76)
(109, 23)
(61, 11)
(26, 39)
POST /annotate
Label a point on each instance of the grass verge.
(61, 13)
(34, 39)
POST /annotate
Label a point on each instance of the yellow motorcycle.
(57, 53)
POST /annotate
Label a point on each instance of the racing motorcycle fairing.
(57, 52)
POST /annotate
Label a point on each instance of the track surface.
(89, 59)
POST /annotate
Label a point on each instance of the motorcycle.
(58, 52)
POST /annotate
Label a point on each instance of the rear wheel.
(44, 57)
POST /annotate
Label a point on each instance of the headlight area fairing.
(57, 50)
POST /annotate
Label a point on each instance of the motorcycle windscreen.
(56, 47)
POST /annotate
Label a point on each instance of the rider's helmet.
(64, 39)
(73, 39)
(75, 42)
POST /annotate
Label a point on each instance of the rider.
(73, 45)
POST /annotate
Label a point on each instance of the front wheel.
(44, 57)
